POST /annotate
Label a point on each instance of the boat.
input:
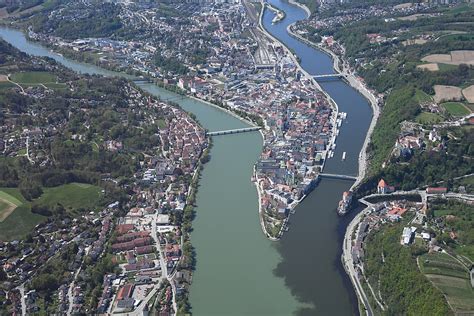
(345, 204)
(344, 156)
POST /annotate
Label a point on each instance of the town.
(132, 253)
(246, 72)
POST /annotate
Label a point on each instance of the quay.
(234, 131)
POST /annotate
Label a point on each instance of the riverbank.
(358, 85)
(302, 6)
(348, 262)
(334, 117)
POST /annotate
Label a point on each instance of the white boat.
(344, 156)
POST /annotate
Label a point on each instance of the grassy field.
(6, 84)
(451, 278)
(8, 204)
(33, 77)
(21, 221)
(446, 67)
(455, 108)
(72, 196)
(422, 97)
(428, 118)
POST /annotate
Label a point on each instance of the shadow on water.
(311, 254)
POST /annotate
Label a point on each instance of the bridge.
(141, 80)
(337, 176)
(264, 66)
(234, 131)
(328, 76)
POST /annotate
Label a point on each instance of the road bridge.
(264, 66)
(328, 76)
(234, 131)
(337, 176)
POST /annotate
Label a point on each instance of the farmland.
(456, 108)
(35, 78)
(72, 196)
(8, 204)
(451, 277)
(447, 93)
(20, 221)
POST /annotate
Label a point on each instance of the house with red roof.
(384, 188)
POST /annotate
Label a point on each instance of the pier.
(234, 131)
(337, 176)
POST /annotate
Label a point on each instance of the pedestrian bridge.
(337, 176)
(234, 131)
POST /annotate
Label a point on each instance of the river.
(311, 250)
(239, 271)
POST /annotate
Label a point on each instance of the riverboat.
(345, 203)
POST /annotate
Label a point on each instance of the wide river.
(239, 271)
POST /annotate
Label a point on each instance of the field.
(34, 78)
(429, 67)
(428, 118)
(72, 196)
(454, 58)
(422, 97)
(451, 278)
(469, 93)
(416, 41)
(21, 221)
(456, 108)
(8, 204)
(447, 93)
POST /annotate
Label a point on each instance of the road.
(21, 288)
(164, 274)
(349, 264)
